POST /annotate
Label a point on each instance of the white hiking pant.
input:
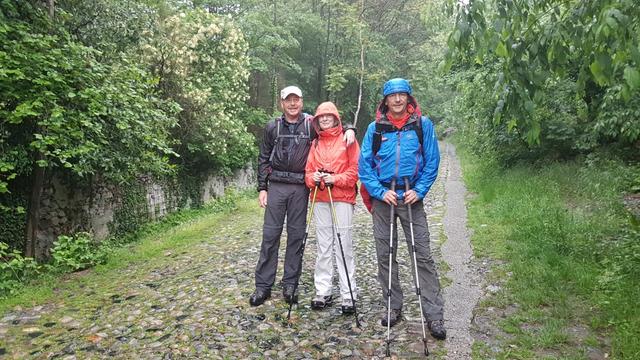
(327, 245)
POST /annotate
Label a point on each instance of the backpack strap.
(377, 136)
(384, 128)
(417, 127)
(276, 140)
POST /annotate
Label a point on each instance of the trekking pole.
(334, 222)
(391, 218)
(304, 243)
(415, 267)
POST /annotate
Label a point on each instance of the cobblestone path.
(194, 304)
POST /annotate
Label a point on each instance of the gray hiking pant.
(283, 201)
(432, 303)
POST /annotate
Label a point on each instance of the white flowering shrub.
(200, 61)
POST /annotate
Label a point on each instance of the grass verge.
(571, 254)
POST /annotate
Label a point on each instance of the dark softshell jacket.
(284, 160)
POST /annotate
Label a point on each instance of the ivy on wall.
(13, 221)
(132, 211)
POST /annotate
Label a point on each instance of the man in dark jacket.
(283, 194)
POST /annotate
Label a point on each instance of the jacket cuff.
(349, 127)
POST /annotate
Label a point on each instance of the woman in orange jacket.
(330, 161)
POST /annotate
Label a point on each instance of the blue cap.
(397, 85)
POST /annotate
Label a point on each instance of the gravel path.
(194, 303)
(462, 295)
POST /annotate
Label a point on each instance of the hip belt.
(388, 185)
(286, 177)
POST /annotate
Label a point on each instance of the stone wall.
(67, 209)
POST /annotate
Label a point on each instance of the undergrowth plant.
(77, 252)
(14, 270)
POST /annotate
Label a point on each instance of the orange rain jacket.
(330, 152)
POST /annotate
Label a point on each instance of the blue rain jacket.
(400, 156)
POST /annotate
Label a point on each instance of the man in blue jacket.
(392, 153)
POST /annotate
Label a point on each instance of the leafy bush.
(618, 119)
(63, 108)
(200, 59)
(77, 252)
(15, 270)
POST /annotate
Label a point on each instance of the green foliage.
(77, 99)
(114, 27)
(105, 120)
(15, 270)
(77, 252)
(13, 220)
(201, 63)
(132, 213)
(617, 118)
(591, 44)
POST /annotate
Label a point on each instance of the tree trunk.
(325, 56)
(33, 216)
(34, 209)
(355, 116)
(274, 71)
(51, 6)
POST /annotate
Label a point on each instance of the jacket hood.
(382, 109)
(397, 85)
(327, 108)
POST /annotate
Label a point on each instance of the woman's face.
(327, 121)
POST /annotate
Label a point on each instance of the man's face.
(396, 103)
(292, 106)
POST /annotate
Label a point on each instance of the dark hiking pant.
(283, 201)
(432, 303)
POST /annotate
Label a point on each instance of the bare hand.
(410, 197)
(262, 198)
(328, 179)
(317, 176)
(349, 136)
(390, 197)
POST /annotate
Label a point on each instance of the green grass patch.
(570, 248)
(176, 233)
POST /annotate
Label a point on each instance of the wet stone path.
(194, 304)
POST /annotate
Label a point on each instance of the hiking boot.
(347, 307)
(437, 330)
(396, 316)
(321, 301)
(259, 296)
(288, 293)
